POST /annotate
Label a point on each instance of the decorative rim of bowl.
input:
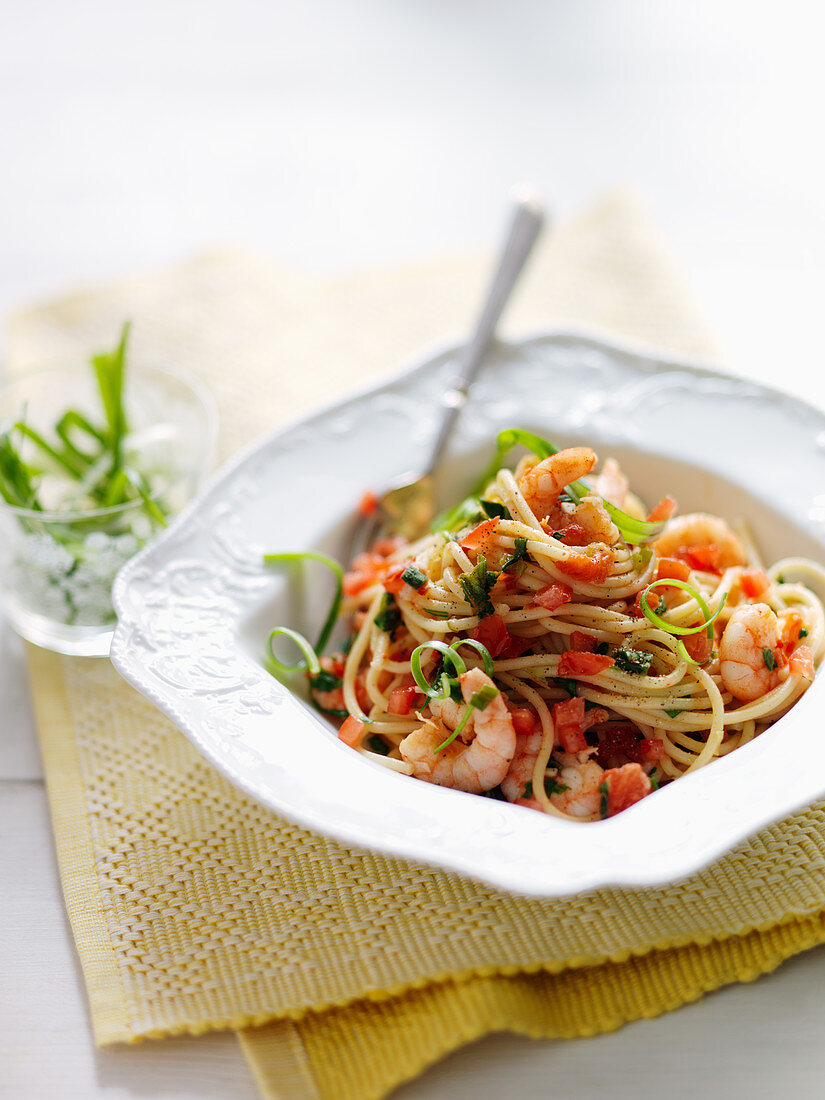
(683, 859)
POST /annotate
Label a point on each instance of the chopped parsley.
(414, 577)
(378, 744)
(803, 633)
(604, 791)
(519, 558)
(388, 618)
(654, 782)
(769, 657)
(551, 786)
(603, 648)
(570, 686)
(476, 587)
(780, 579)
(493, 510)
(672, 713)
(661, 606)
(325, 681)
(494, 792)
(634, 661)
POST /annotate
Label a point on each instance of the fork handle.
(525, 225)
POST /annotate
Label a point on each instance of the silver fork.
(408, 506)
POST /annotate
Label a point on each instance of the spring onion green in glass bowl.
(94, 459)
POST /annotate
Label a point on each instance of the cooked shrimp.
(751, 633)
(520, 772)
(698, 529)
(593, 517)
(611, 483)
(582, 777)
(476, 767)
(542, 483)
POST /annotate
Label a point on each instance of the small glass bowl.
(57, 567)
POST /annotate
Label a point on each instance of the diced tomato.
(356, 582)
(663, 510)
(568, 719)
(386, 547)
(583, 664)
(625, 786)
(699, 646)
(754, 583)
(524, 721)
(392, 580)
(651, 749)
(351, 731)
(553, 596)
(505, 582)
(367, 563)
(367, 569)
(492, 633)
(362, 695)
(703, 558)
(575, 535)
(473, 539)
(401, 700)
(672, 569)
(368, 504)
(582, 643)
(516, 647)
(591, 567)
(635, 609)
(802, 662)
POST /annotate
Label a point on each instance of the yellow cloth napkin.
(195, 908)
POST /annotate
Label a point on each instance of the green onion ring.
(448, 654)
(312, 664)
(330, 563)
(481, 649)
(672, 628)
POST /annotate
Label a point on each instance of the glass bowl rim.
(197, 389)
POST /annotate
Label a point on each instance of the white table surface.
(337, 135)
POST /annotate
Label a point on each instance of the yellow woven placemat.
(194, 908)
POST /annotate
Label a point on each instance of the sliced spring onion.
(449, 655)
(481, 699)
(310, 662)
(413, 576)
(671, 628)
(330, 563)
(481, 649)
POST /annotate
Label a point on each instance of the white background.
(332, 135)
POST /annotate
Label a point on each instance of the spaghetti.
(550, 646)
